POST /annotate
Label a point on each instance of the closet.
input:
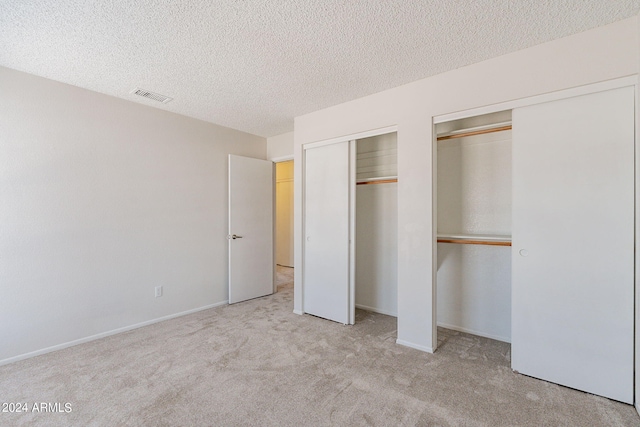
(559, 188)
(350, 227)
(474, 225)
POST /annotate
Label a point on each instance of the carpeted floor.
(258, 364)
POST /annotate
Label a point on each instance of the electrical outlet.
(158, 291)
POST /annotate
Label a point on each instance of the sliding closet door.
(326, 222)
(573, 242)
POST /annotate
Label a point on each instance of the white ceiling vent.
(151, 95)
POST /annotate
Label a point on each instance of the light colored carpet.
(258, 364)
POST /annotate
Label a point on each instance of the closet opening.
(376, 224)
(474, 225)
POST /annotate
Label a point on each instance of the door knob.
(234, 237)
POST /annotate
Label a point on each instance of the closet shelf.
(380, 180)
(479, 130)
(475, 239)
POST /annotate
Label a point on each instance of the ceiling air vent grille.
(151, 95)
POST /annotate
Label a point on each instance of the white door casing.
(251, 262)
(573, 242)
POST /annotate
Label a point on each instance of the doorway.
(284, 223)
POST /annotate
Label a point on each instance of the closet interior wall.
(376, 219)
(474, 203)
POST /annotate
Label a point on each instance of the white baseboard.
(298, 312)
(106, 334)
(376, 310)
(472, 332)
(413, 345)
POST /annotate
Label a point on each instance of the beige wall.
(101, 201)
(597, 55)
(280, 147)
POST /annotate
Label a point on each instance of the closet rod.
(474, 132)
(378, 181)
(475, 242)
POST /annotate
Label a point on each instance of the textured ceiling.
(253, 65)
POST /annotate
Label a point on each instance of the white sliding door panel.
(573, 242)
(326, 222)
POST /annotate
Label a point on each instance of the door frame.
(352, 158)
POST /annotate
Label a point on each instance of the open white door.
(250, 228)
(573, 242)
(327, 290)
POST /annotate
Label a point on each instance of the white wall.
(377, 248)
(377, 157)
(597, 55)
(280, 146)
(101, 200)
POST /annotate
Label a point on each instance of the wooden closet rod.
(475, 239)
(475, 242)
(379, 181)
(474, 132)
